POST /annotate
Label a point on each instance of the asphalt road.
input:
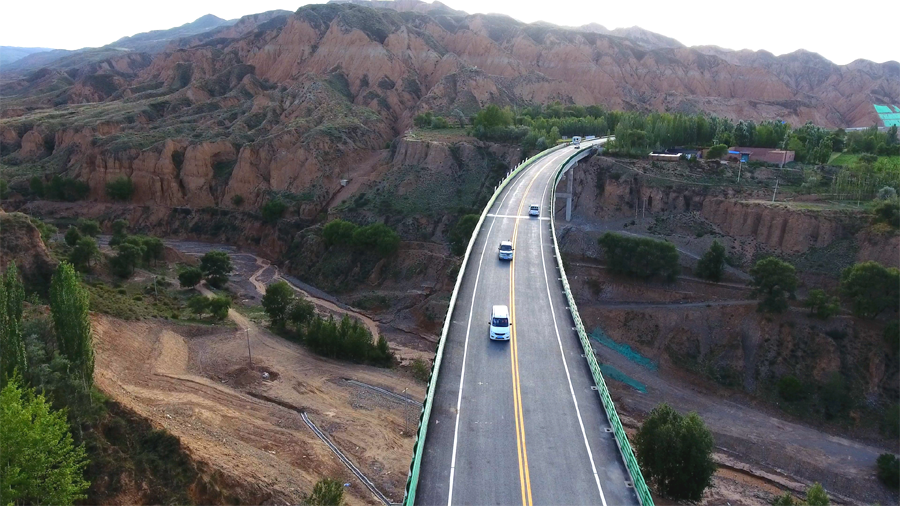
(518, 422)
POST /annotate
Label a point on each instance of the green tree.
(189, 277)
(716, 152)
(277, 300)
(339, 233)
(461, 232)
(675, 452)
(121, 188)
(84, 251)
(154, 249)
(4, 189)
(327, 492)
(791, 389)
(821, 305)
(640, 257)
(218, 307)
(816, 496)
(871, 287)
(272, 210)
(89, 228)
(836, 399)
(887, 212)
(128, 256)
(198, 304)
(889, 470)
(72, 236)
(216, 266)
(40, 463)
(712, 265)
(493, 117)
(69, 304)
(773, 280)
(120, 232)
(301, 312)
(892, 335)
(376, 237)
(36, 185)
(12, 344)
(785, 499)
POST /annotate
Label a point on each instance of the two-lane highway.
(518, 422)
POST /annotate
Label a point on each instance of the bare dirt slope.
(194, 381)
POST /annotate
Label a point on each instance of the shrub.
(887, 212)
(190, 277)
(887, 193)
(890, 421)
(717, 151)
(462, 232)
(72, 236)
(871, 288)
(785, 499)
(273, 210)
(63, 188)
(327, 492)
(640, 257)
(420, 370)
(675, 452)
(237, 200)
(791, 389)
(816, 496)
(821, 305)
(712, 265)
(889, 470)
(892, 335)
(121, 188)
(773, 280)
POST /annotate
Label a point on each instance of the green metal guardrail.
(631, 463)
(412, 480)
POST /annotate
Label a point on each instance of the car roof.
(534, 205)
(504, 243)
(501, 311)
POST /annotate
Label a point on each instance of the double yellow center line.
(524, 474)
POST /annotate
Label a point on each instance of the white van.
(576, 141)
(500, 324)
(506, 250)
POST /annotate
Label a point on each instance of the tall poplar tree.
(69, 304)
(12, 347)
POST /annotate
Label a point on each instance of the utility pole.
(776, 190)
(249, 356)
(740, 165)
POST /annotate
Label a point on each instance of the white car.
(535, 210)
(506, 250)
(500, 324)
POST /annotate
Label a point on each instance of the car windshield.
(505, 247)
(501, 322)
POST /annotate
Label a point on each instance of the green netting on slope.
(610, 372)
(881, 108)
(622, 349)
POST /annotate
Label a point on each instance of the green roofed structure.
(889, 114)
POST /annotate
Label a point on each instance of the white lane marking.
(462, 375)
(565, 364)
(517, 216)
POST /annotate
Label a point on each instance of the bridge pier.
(568, 193)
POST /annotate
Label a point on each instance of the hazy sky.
(839, 31)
